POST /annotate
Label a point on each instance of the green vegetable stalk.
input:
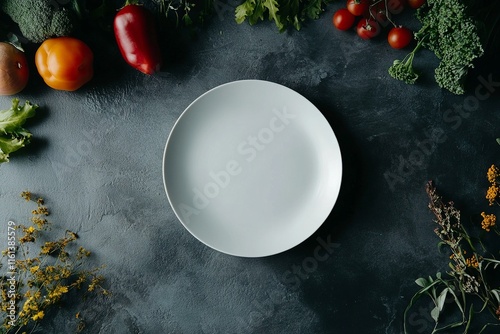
(403, 69)
(458, 32)
(12, 135)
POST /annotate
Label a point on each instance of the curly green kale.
(39, 19)
(450, 31)
(12, 135)
(454, 39)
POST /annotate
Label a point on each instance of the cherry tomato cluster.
(372, 16)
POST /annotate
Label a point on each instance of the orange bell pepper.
(64, 63)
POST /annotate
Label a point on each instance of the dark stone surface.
(97, 156)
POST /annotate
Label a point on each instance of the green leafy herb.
(12, 135)
(284, 13)
(189, 13)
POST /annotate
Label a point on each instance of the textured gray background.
(97, 155)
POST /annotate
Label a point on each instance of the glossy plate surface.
(251, 168)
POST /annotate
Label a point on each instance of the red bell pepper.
(137, 38)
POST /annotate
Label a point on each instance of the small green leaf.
(258, 13)
(421, 282)
(435, 314)
(498, 141)
(244, 10)
(442, 299)
(495, 293)
(313, 9)
(273, 8)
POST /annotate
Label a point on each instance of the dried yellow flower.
(492, 174)
(26, 195)
(48, 247)
(58, 292)
(46, 278)
(38, 316)
(41, 210)
(488, 221)
(492, 194)
(39, 222)
(472, 262)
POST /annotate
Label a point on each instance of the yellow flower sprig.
(493, 191)
(43, 280)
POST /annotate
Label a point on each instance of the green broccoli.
(452, 30)
(403, 69)
(39, 19)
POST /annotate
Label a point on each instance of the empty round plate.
(251, 168)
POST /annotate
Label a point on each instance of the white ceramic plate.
(251, 168)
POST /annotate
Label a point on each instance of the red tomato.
(343, 19)
(358, 7)
(368, 28)
(415, 3)
(395, 6)
(378, 12)
(399, 37)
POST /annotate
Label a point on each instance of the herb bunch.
(43, 273)
(472, 267)
(187, 13)
(284, 13)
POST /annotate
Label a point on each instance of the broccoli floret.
(38, 19)
(403, 69)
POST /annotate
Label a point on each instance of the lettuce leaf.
(12, 134)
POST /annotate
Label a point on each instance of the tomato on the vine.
(358, 7)
(396, 6)
(343, 19)
(367, 28)
(415, 3)
(399, 37)
(378, 11)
